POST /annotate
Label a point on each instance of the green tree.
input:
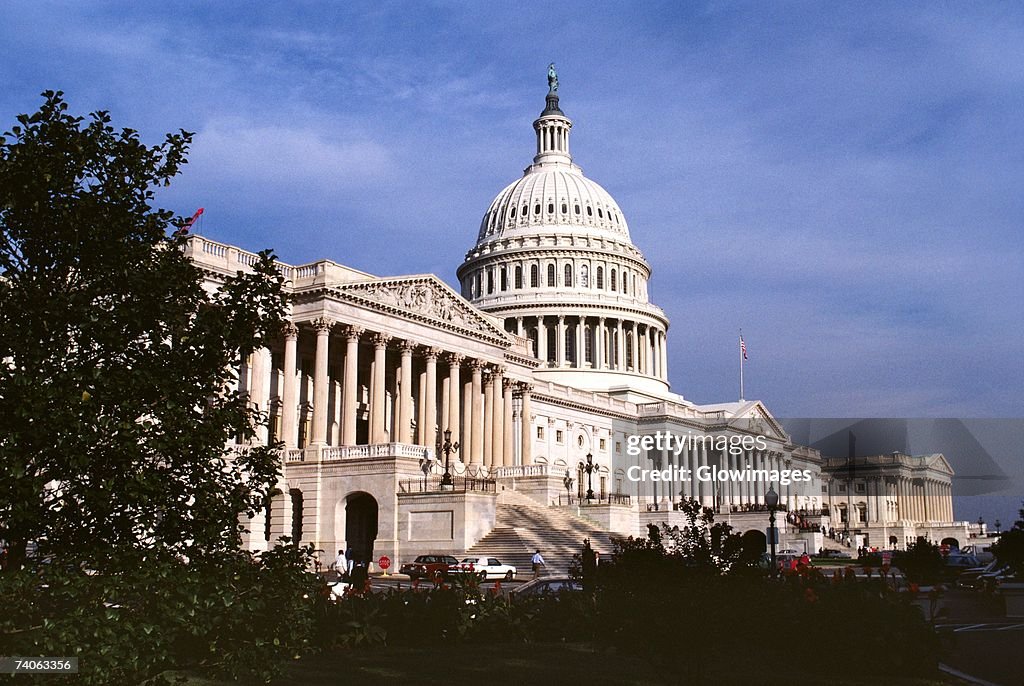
(116, 398)
(1009, 550)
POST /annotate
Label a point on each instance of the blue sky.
(841, 181)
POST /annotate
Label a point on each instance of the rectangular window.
(558, 436)
(540, 432)
(618, 447)
(603, 445)
(860, 488)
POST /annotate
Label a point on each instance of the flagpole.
(740, 348)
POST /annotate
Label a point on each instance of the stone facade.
(550, 355)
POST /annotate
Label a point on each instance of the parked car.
(484, 568)
(957, 564)
(970, 578)
(829, 553)
(547, 585)
(433, 567)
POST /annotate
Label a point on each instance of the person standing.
(339, 563)
(537, 561)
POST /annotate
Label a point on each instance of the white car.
(485, 568)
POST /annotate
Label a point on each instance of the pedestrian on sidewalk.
(538, 562)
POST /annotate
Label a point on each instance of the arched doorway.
(755, 544)
(361, 525)
(952, 543)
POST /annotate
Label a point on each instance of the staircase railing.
(598, 499)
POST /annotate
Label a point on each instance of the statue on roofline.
(552, 79)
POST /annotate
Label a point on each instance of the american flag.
(743, 348)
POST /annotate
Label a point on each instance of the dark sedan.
(433, 567)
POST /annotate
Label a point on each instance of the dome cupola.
(554, 258)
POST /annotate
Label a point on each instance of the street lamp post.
(771, 500)
(589, 468)
(999, 527)
(567, 482)
(448, 448)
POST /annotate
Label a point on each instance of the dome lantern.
(552, 127)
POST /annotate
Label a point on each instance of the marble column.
(620, 347)
(454, 419)
(642, 350)
(320, 389)
(477, 427)
(498, 418)
(664, 355)
(542, 341)
(488, 413)
(380, 344)
(759, 487)
(405, 391)
(600, 345)
(581, 342)
(350, 385)
(560, 342)
(508, 430)
(527, 425)
(259, 390)
(289, 406)
(430, 404)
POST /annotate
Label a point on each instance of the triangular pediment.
(754, 416)
(939, 463)
(422, 298)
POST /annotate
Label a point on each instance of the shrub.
(236, 615)
(921, 563)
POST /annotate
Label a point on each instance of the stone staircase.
(524, 526)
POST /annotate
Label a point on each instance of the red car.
(434, 567)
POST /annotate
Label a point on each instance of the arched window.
(519, 276)
(526, 211)
(615, 285)
(600, 277)
(551, 275)
(590, 211)
(584, 276)
(568, 276)
(504, 279)
(565, 208)
(551, 208)
(600, 214)
(577, 208)
(536, 208)
(534, 276)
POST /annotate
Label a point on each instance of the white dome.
(549, 196)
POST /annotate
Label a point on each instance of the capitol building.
(544, 368)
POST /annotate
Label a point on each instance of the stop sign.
(384, 562)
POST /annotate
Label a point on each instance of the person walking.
(537, 561)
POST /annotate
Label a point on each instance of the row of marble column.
(484, 408)
(889, 499)
(730, 491)
(925, 500)
(610, 340)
